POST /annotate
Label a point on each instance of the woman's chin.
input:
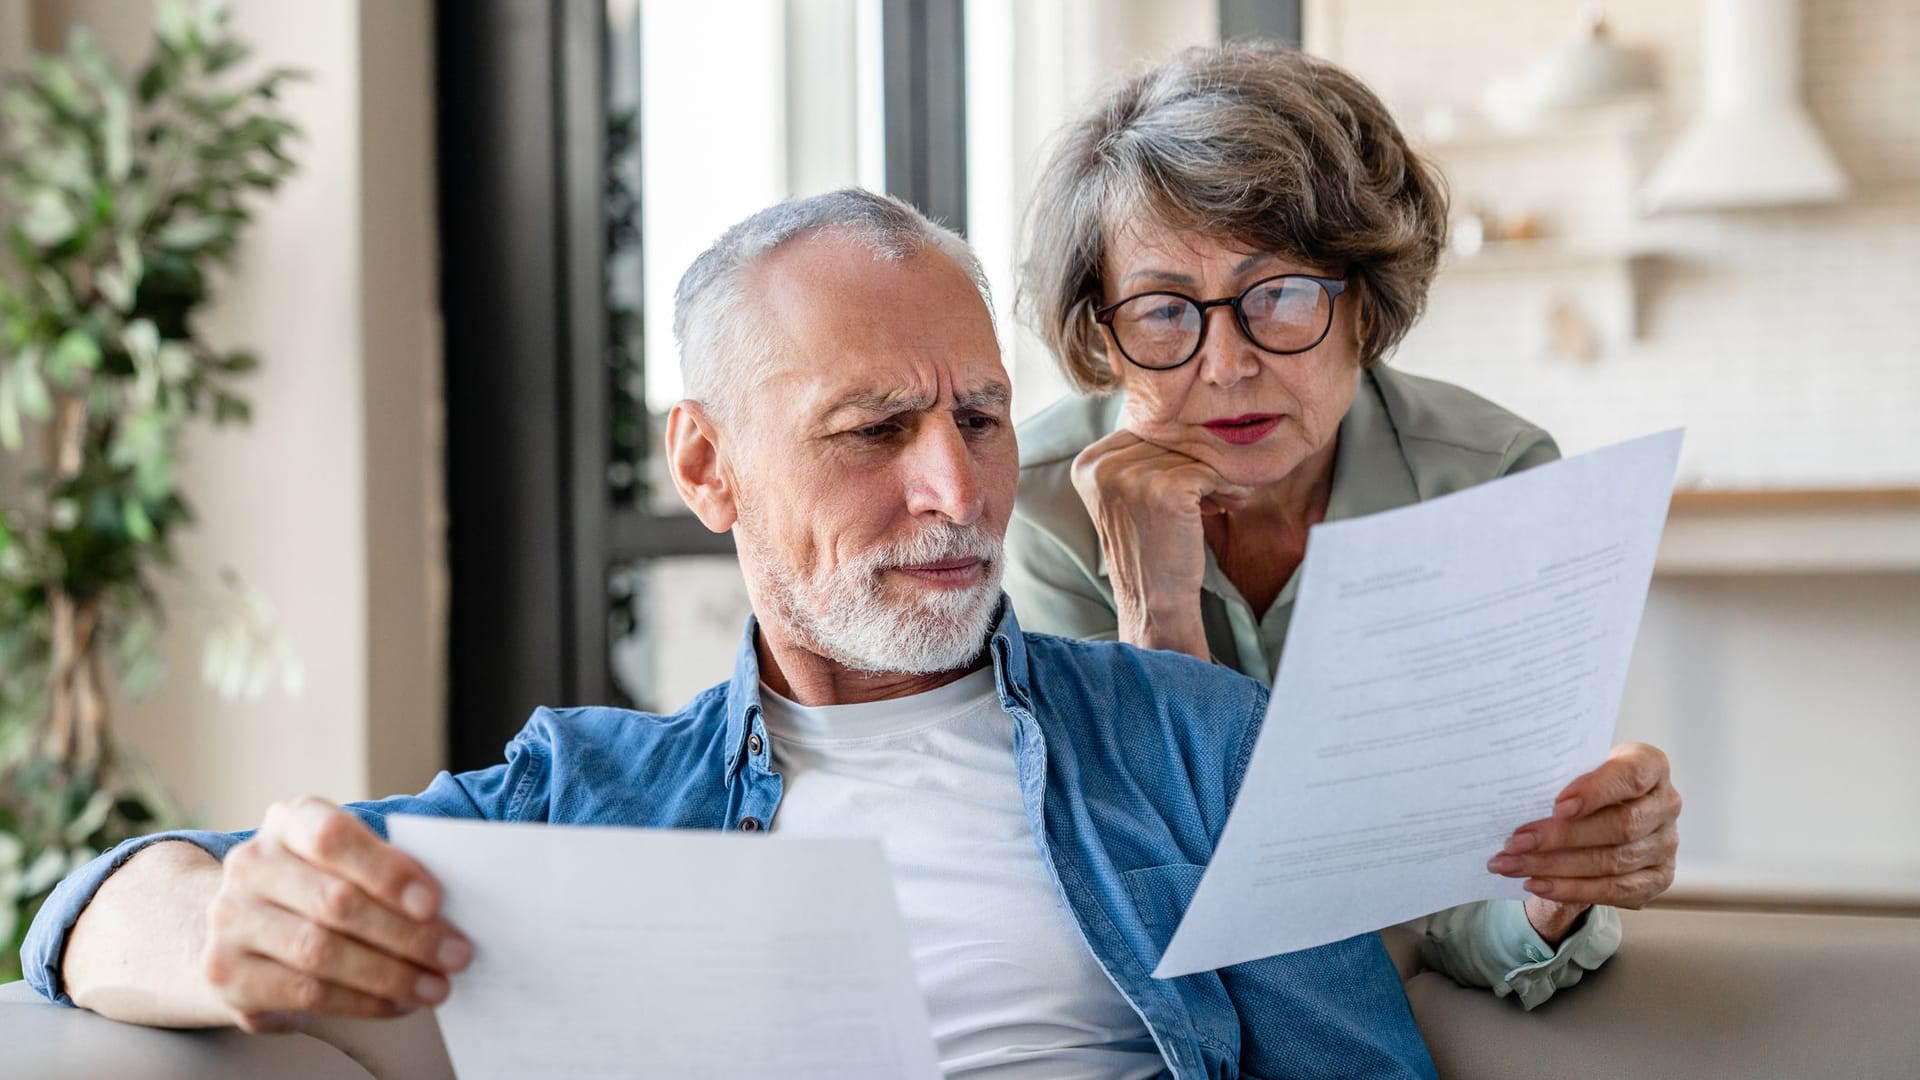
(1252, 466)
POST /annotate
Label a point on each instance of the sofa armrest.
(1695, 993)
(58, 1043)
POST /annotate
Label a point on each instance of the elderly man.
(1046, 804)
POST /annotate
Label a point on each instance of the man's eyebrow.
(881, 401)
(992, 394)
(894, 401)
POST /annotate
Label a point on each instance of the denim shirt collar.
(1011, 676)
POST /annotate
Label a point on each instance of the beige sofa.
(1690, 994)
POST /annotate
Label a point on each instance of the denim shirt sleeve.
(510, 792)
(1491, 943)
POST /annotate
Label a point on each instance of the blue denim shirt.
(1128, 763)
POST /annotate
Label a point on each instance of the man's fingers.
(340, 905)
(268, 997)
(1632, 770)
(309, 948)
(336, 841)
(1627, 890)
(1590, 862)
(1618, 824)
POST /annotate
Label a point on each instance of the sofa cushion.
(1695, 994)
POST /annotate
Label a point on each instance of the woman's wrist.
(1179, 629)
(1552, 920)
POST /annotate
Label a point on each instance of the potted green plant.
(119, 196)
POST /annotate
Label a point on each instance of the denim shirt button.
(748, 824)
(753, 744)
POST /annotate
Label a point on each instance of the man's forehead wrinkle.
(905, 400)
(888, 400)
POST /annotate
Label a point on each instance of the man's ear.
(699, 471)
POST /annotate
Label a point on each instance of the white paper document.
(612, 952)
(1450, 666)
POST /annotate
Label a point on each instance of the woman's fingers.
(1630, 771)
(1610, 860)
(1612, 839)
(1632, 890)
(1619, 824)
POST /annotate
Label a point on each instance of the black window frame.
(533, 532)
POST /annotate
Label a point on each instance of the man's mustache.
(936, 543)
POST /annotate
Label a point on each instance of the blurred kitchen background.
(1698, 212)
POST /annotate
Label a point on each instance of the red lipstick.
(1244, 430)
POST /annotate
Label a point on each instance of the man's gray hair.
(724, 335)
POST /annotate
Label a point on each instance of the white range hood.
(1752, 143)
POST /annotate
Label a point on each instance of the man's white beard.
(847, 616)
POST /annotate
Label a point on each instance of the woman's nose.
(1226, 356)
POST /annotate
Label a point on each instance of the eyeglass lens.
(1283, 315)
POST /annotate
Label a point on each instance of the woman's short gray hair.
(723, 335)
(1262, 145)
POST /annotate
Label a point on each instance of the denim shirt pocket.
(1160, 895)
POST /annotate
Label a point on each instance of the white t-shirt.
(1011, 986)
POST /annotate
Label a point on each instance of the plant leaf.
(48, 222)
(142, 339)
(192, 234)
(40, 875)
(139, 525)
(35, 401)
(75, 354)
(174, 23)
(175, 361)
(116, 133)
(89, 819)
(9, 411)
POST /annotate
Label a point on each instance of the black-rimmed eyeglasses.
(1163, 330)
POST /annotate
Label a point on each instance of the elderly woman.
(1224, 249)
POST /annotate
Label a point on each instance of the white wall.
(1786, 341)
(1030, 66)
(330, 502)
(1790, 705)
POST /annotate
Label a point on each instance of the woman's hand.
(1611, 840)
(1147, 503)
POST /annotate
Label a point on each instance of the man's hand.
(316, 915)
(1611, 840)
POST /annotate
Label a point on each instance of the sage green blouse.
(1405, 439)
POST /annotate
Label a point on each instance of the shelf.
(1833, 886)
(1509, 256)
(1478, 134)
(1709, 500)
(1601, 284)
(1868, 530)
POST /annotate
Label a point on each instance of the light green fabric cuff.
(1492, 944)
